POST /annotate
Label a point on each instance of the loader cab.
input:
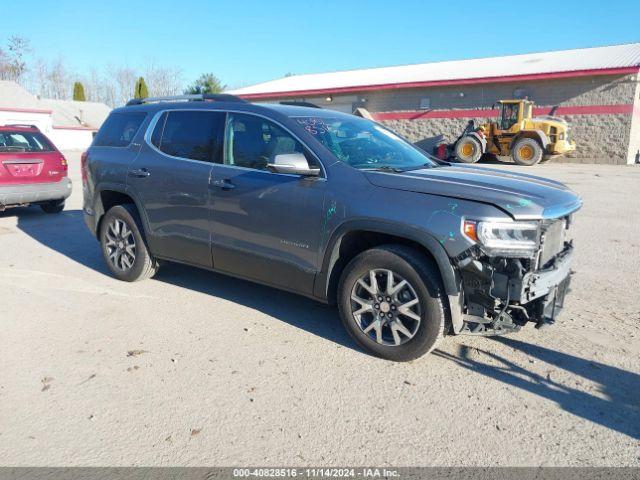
(513, 112)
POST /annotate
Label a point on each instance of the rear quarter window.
(119, 129)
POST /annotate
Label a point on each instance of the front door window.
(253, 142)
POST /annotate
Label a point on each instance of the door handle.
(139, 173)
(223, 184)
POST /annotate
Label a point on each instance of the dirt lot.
(194, 368)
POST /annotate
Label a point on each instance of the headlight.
(504, 239)
(561, 136)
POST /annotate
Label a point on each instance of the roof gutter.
(25, 110)
(441, 83)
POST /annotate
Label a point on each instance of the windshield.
(509, 115)
(363, 144)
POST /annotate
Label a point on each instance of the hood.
(550, 119)
(524, 197)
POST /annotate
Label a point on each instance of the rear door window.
(196, 135)
(24, 142)
(119, 129)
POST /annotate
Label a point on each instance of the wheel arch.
(354, 237)
(110, 195)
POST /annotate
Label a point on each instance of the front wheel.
(391, 302)
(123, 245)
(468, 150)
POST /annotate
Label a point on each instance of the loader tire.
(527, 152)
(468, 150)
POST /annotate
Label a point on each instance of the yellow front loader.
(516, 133)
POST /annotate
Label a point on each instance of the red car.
(32, 170)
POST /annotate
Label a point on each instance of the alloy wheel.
(120, 245)
(385, 307)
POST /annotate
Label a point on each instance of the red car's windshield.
(24, 142)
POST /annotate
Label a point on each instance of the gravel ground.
(194, 368)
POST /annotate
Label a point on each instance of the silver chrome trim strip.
(22, 162)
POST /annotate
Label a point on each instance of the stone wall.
(599, 138)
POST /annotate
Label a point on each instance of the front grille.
(552, 241)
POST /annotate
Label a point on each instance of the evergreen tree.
(207, 83)
(78, 92)
(141, 90)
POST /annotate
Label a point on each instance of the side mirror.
(293, 163)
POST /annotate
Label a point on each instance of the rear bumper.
(34, 192)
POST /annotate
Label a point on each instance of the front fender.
(479, 138)
(426, 240)
(450, 277)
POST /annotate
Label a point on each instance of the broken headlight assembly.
(504, 238)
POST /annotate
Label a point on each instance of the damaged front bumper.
(501, 295)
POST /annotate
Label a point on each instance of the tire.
(527, 152)
(55, 206)
(468, 150)
(124, 248)
(423, 284)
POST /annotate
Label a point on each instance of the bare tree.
(39, 82)
(92, 85)
(59, 80)
(5, 68)
(12, 60)
(54, 79)
(163, 81)
(123, 80)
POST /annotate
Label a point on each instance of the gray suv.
(331, 206)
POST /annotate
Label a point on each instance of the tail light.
(83, 166)
(64, 163)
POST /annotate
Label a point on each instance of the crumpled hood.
(525, 197)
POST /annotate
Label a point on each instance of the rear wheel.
(391, 302)
(527, 151)
(468, 150)
(55, 206)
(123, 245)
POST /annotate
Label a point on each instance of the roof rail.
(198, 97)
(300, 104)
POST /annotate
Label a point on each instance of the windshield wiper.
(386, 168)
(420, 167)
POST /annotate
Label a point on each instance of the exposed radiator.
(553, 236)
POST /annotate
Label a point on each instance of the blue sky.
(245, 42)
